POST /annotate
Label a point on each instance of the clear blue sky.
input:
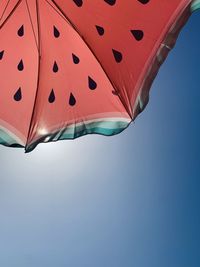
(131, 200)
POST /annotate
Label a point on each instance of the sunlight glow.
(42, 131)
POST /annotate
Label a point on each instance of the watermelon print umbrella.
(74, 67)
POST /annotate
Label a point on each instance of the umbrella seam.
(38, 77)
(32, 25)
(4, 10)
(10, 14)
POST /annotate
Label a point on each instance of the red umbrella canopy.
(74, 67)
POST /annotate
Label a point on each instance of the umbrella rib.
(4, 10)
(32, 25)
(38, 76)
(128, 109)
(13, 10)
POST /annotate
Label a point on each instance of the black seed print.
(117, 55)
(114, 92)
(144, 1)
(110, 2)
(1, 54)
(91, 83)
(55, 67)
(20, 32)
(138, 34)
(51, 97)
(18, 95)
(20, 65)
(100, 30)
(79, 3)
(76, 60)
(72, 100)
(56, 32)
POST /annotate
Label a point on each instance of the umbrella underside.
(74, 67)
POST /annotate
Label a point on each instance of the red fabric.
(68, 61)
